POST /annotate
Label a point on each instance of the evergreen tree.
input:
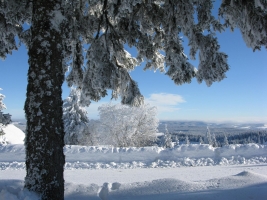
(75, 120)
(4, 118)
(225, 141)
(201, 140)
(187, 140)
(2, 105)
(58, 31)
(176, 141)
(44, 139)
(166, 140)
(214, 141)
(207, 138)
(258, 138)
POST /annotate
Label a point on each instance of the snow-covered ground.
(151, 173)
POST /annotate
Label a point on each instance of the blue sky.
(241, 97)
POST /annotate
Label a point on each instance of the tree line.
(252, 136)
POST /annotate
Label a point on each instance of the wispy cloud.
(165, 102)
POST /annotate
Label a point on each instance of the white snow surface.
(13, 134)
(152, 173)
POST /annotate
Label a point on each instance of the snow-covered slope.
(13, 135)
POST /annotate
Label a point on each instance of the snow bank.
(92, 157)
(153, 157)
(150, 154)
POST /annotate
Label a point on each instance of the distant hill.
(200, 128)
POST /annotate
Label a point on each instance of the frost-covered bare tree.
(59, 29)
(75, 120)
(124, 126)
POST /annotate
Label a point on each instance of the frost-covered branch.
(250, 17)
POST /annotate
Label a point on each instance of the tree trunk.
(43, 107)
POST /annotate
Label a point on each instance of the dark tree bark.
(43, 107)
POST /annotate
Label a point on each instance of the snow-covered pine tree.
(2, 135)
(176, 140)
(253, 24)
(207, 138)
(75, 120)
(166, 140)
(225, 140)
(4, 118)
(59, 29)
(44, 139)
(201, 140)
(2, 105)
(214, 141)
(187, 140)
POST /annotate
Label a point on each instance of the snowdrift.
(147, 157)
(150, 154)
(92, 157)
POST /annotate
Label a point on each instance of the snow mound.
(241, 186)
(13, 135)
(253, 176)
(13, 190)
(243, 179)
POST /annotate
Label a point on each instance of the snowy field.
(151, 173)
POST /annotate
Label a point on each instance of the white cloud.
(165, 102)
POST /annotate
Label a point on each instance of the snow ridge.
(92, 157)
